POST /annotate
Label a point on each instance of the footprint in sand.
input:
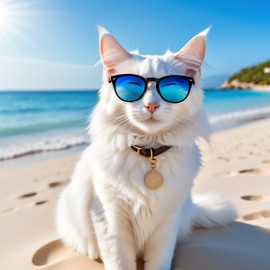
(56, 184)
(257, 171)
(40, 202)
(255, 198)
(56, 256)
(30, 195)
(51, 253)
(27, 195)
(257, 215)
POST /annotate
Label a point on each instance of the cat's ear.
(192, 54)
(112, 53)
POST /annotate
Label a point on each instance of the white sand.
(238, 166)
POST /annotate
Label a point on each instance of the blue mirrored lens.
(174, 89)
(129, 87)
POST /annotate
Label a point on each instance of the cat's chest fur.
(126, 170)
(119, 182)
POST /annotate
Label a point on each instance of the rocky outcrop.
(235, 84)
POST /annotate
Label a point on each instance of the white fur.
(107, 211)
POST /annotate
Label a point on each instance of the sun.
(13, 16)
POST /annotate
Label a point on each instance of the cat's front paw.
(93, 252)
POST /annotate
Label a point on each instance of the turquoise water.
(46, 121)
(228, 107)
(223, 101)
(27, 112)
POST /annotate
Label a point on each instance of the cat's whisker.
(122, 123)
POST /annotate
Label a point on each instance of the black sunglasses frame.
(114, 78)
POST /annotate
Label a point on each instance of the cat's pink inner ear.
(112, 53)
(193, 53)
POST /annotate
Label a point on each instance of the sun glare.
(12, 19)
(3, 15)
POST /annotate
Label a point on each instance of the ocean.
(34, 122)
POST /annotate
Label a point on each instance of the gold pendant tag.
(153, 179)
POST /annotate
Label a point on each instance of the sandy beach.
(237, 165)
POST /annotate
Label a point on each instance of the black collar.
(146, 152)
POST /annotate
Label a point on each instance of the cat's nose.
(151, 107)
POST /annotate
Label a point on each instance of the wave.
(49, 143)
(28, 147)
(12, 111)
(243, 115)
(44, 109)
(39, 127)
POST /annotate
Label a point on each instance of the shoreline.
(41, 156)
(237, 160)
(28, 156)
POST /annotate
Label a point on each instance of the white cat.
(108, 211)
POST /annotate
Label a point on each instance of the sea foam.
(28, 147)
(243, 115)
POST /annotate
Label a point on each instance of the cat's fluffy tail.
(212, 210)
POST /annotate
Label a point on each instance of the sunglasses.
(173, 88)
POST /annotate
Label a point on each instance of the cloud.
(37, 74)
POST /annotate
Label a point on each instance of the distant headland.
(255, 78)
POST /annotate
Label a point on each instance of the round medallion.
(153, 179)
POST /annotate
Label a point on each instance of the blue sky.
(53, 44)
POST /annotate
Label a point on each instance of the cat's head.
(151, 114)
